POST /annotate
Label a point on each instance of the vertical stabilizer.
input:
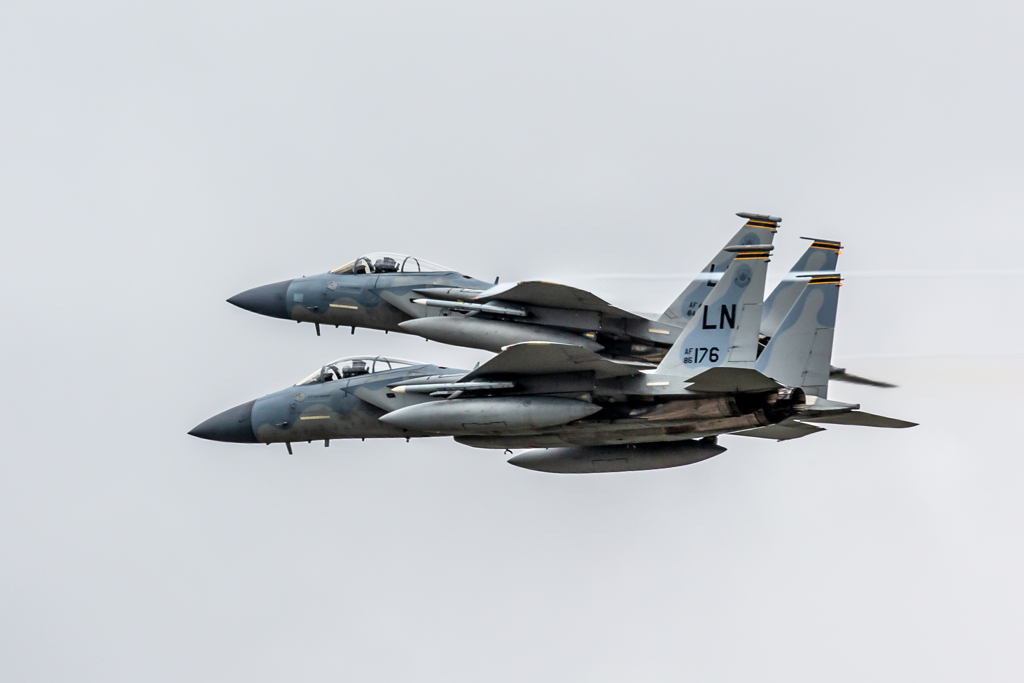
(724, 331)
(800, 352)
(759, 229)
(821, 256)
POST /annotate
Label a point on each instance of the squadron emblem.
(743, 277)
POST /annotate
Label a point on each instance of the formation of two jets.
(588, 386)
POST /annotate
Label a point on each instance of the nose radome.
(234, 425)
(265, 300)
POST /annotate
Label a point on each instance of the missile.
(448, 293)
(451, 387)
(494, 309)
(489, 415)
(620, 458)
(492, 335)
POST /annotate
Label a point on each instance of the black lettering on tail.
(704, 324)
(728, 317)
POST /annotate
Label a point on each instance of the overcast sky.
(157, 158)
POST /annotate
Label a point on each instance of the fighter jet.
(403, 294)
(396, 293)
(579, 411)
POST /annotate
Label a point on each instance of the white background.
(156, 159)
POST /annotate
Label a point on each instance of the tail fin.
(800, 352)
(821, 257)
(724, 331)
(758, 229)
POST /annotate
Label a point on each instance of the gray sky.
(158, 158)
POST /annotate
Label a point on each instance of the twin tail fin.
(800, 352)
(724, 330)
(759, 229)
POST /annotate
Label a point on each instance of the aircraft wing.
(544, 358)
(552, 295)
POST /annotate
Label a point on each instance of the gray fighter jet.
(580, 411)
(397, 293)
(408, 295)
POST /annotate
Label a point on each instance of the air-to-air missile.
(583, 412)
(397, 293)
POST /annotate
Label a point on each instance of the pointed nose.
(265, 300)
(234, 425)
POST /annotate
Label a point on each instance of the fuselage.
(348, 300)
(329, 406)
(389, 301)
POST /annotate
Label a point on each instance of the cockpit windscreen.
(388, 262)
(354, 366)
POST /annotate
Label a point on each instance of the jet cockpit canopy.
(389, 262)
(354, 366)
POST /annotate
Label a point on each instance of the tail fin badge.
(743, 278)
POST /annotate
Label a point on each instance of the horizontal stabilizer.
(783, 431)
(841, 375)
(859, 419)
(545, 358)
(815, 406)
(732, 380)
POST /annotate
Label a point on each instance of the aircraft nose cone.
(234, 424)
(265, 300)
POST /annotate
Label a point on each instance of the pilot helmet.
(386, 265)
(358, 367)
